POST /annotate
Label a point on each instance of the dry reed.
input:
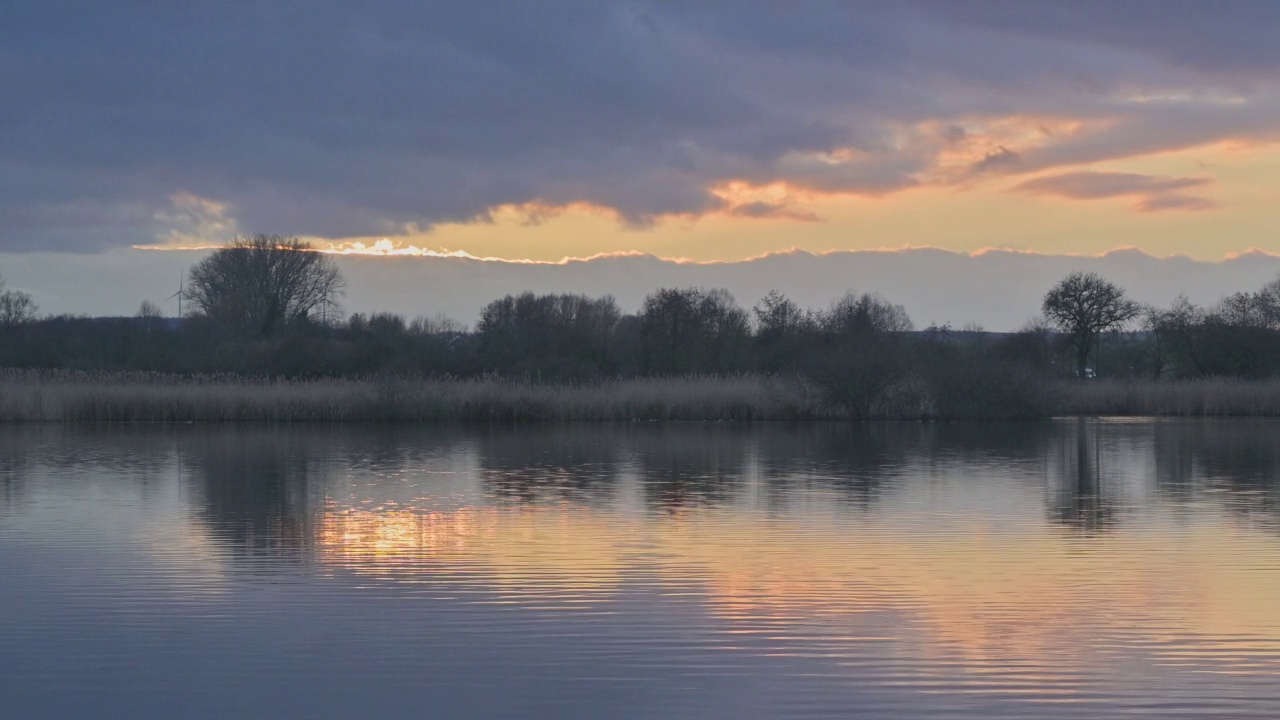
(64, 396)
(1212, 397)
(68, 396)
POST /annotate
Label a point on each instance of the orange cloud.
(777, 200)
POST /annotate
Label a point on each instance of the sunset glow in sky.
(694, 131)
(708, 132)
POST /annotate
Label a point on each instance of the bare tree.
(1085, 305)
(692, 330)
(862, 357)
(855, 316)
(16, 307)
(1259, 310)
(561, 334)
(439, 324)
(149, 310)
(1030, 345)
(261, 282)
(777, 316)
(1176, 337)
(782, 331)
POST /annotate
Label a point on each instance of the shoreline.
(71, 396)
(31, 396)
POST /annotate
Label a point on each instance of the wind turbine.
(180, 294)
(325, 304)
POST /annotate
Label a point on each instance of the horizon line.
(390, 249)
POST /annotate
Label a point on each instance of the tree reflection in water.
(14, 452)
(1079, 499)
(694, 465)
(255, 489)
(551, 462)
(261, 490)
(1235, 461)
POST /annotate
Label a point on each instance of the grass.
(70, 397)
(58, 396)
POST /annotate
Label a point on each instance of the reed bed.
(64, 396)
(1212, 397)
(73, 397)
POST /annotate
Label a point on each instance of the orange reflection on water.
(392, 537)
(563, 549)
(962, 593)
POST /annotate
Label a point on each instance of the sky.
(709, 133)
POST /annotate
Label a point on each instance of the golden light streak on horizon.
(392, 249)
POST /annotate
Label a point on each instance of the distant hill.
(997, 289)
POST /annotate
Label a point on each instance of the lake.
(1067, 569)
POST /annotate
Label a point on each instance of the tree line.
(268, 305)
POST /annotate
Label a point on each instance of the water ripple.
(1058, 571)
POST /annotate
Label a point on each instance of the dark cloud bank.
(998, 289)
(330, 118)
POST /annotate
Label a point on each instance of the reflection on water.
(1071, 569)
(1079, 500)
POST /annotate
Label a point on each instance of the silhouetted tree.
(782, 331)
(726, 330)
(1031, 346)
(1085, 305)
(1257, 310)
(1241, 336)
(257, 284)
(1176, 338)
(626, 347)
(439, 324)
(860, 355)
(669, 329)
(865, 315)
(16, 307)
(559, 335)
(777, 315)
(969, 378)
(149, 310)
(686, 330)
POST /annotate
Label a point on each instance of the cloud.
(763, 209)
(1001, 157)
(1173, 201)
(189, 221)
(1153, 192)
(1092, 185)
(329, 119)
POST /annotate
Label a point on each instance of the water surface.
(1069, 569)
